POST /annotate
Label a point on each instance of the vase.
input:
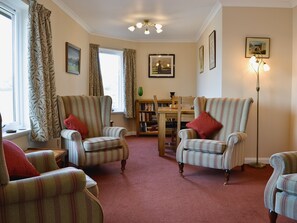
(140, 91)
(172, 94)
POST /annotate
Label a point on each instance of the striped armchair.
(226, 149)
(280, 194)
(103, 143)
(57, 195)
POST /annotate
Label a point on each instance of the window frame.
(19, 13)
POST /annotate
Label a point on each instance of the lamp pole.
(258, 164)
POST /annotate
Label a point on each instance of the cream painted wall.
(240, 81)
(294, 85)
(65, 29)
(209, 83)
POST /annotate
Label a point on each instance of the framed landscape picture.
(201, 59)
(72, 59)
(161, 65)
(212, 50)
(257, 46)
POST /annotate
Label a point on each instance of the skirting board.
(248, 160)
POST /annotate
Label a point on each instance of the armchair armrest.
(283, 163)
(68, 180)
(187, 134)
(72, 141)
(43, 161)
(114, 131)
(70, 134)
(236, 137)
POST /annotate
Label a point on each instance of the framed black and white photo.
(201, 59)
(212, 50)
(257, 46)
(162, 65)
(72, 59)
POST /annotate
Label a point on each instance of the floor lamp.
(256, 63)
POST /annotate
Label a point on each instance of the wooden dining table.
(163, 113)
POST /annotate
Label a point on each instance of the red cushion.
(18, 165)
(73, 123)
(205, 125)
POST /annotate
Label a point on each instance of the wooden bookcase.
(146, 119)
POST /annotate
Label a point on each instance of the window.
(13, 68)
(111, 63)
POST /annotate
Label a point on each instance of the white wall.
(209, 83)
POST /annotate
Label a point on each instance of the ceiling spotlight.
(146, 24)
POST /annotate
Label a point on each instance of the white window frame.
(19, 11)
(121, 78)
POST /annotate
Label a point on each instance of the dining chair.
(184, 103)
(171, 124)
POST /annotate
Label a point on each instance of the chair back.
(94, 111)
(4, 177)
(232, 113)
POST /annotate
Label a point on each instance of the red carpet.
(151, 190)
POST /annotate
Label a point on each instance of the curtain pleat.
(130, 82)
(95, 77)
(43, 109)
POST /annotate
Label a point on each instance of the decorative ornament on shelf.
(140, 91)
(257, 63)
(172, 93)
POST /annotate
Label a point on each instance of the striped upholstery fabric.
(280, 195)
(103, 143)
(226, 149)
(56, 196)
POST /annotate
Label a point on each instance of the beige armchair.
(57, 195)
(102, 143)
(280, 195)
(223, 150)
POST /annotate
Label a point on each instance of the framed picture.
(201, 59)
(257, 46)
(162, 65)
(212, 50)
(72, 59)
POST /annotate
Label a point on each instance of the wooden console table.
(61, 155)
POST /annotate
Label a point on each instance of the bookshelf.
(146, 118)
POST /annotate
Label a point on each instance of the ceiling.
(183, 21)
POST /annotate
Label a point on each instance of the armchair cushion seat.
(101, 143)
(206, 146)
(287, 183)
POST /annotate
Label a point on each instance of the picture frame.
(201, 59)
(212, 50)
(73, 54)
(161, 65)
(257, 46)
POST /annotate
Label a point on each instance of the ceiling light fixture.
(146, 24)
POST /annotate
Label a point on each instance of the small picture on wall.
(72, 59)
(161, 65)
(212, 50)
(257, 46)
(201, 59)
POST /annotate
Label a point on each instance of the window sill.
(18, 134)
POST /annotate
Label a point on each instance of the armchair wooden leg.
(227, 176)
(272, 216)
(181, 168)
(123, 165)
